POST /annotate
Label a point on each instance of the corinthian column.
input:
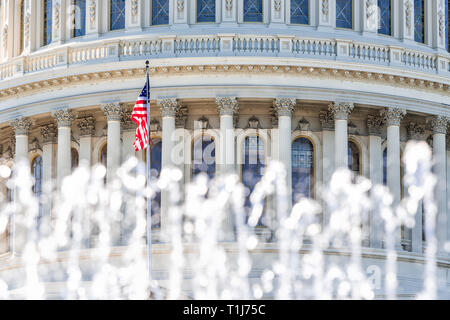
(169, 108)
(227, 107)
(87, 130)
(113, 112)
(64, 119)
(439, 125)
(284, 108)
(393, 117)
(340, 111)
(48, 133)
(21, 127)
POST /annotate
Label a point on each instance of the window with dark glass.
(419, 21)
(204, 156)
(384, 17)
(155, 162)
(302, 169)
(253, 168)
(344, 14)
(353, 158)
(79, 18)
(300, 11)
(253, 11)
(117, 14)
(206, 10)
(160, 12)
(47, 27)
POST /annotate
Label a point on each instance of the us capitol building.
(315, 84)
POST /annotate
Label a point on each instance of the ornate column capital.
(227, 105)
(113, 111)
(21, 125)
(393, 116)
(48, 133)
(326, 120)
(375, 124)
(415, 131)
(87, 126)
(63, 117)
(285, 106)
(341, 110)
(169, 107)
(439, 124)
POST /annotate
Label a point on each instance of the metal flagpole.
(149, 200)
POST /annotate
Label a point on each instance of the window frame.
(262, 12)
(313, 176)
(151, 15)
(352, 19)
(299, 24)
(110, 29)
(85, 25)
(194, 139)
(391, 21)
(205, 22)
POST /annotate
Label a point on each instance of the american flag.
(139, 116)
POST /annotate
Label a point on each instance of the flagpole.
(149, 200)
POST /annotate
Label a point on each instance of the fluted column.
(21, 127)
(48, 133)
(393, 118)
(341, 111)
(439, 125)
(284, 108)
(113, 112)
(227, 106)
(87, 130)
(169, 108)
(64, 119)
(375, 125)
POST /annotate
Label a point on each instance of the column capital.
(169, 107)
(439, 124)
(227, 106)
(393, 116)
(340, 110)
(375, 124)
(285, 106)
(64, 117)
(415, 131)
(87, 126)
(326, 120)
(113, 111)
(21, 125)
(48, 133)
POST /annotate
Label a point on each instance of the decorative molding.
(168, 107)
(113, 111)
(92, 12)
(56, 20)
(64, 117)
(352, 128)
(415, 131)
(27, 29)
(49, 133)
(134, 8)
(21, 126)
(87, 126)
(202, 123)
(285, 106)
(229, 5)
(375, 124)
(326, 119)
(277, 5)
(325, 8)
(408, 16)
(303, 125)
(181, 117)
(253, 123)
(393, 116)
(439, 124)
(341, 110)
(180, 6)
(227, 105)
(34, 145)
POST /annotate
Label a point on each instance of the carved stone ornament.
(415, 131)
(202, 123)
(92, 11)
(126, 124)
(134, 8)
(325, 8)
(284, 106)
(277, 5)
(393, 116)
(56, 17)
(49, 133)
(63, 117)
(408, 14)
(229, 5)
(21, 126)
(441, 16)
(181, 117)
(87, 126)
(439, 124)
(352, 128)
(5, 37)
(341, 110)
(375, 124)
(303, 125)
(34, 145)
(27, 29)
(326, 119)
(180, 5)
(253, 123)
(113, 111)
(227, 105)
(168, 107)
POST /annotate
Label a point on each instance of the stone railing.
(224, 45)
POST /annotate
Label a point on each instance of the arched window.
(344, 14)
(160, 12)
(419, 21)
(74, 158)
(79, 18)
(384, 17)
(155, 162)
(36, 170)
(253, 11)
(300, 11)
(253, 167)
(117, 15)
(47, 22)
(354, 164)
(302, 168)
(204, 156)
(206, 10)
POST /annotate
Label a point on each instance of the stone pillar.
(393, 117)
(284, 108)
(169, 108)
(64, 119)
(113, 112)
(128, 135)
(87, 130)
(227, 108)
(375, 124)
(341, 111)
(48, 133)
(439, 126)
